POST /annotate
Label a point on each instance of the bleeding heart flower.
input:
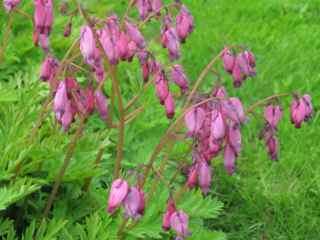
(118, 192)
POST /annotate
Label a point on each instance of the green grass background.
(264, 200)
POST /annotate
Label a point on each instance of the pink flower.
(156, 6)
(162, 88)
(298, 112)
(122, 46)
(218, 128)
(204, 176)
(272, 115)
(233, 109)
(192, 176)
(101, 104)
(179, 77)
(43, 16)
(229, 159)
(228, 61)
(49, 68)
(219, 92)
(171, 208)
(169, 106)
(234, 138)
(134, 34)
(308, 106)
(170, 41)
(60, 100)
(179, 222)
(88, 45)
(184, 23)
(144, 8)
(118, 192)
(272, 145)
(194, 120)
(9, 5)
(134, 203)
(237, 73)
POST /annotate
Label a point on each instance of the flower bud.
(234, 138)
(144, 8)
(179, 77)
(192, 176)
(228, 60)
(171, 208)
(169, 106)
(298, 112)
(60, 100)
(101, 104)
(162, 88)
(308, 106)
(156, 6)
(204, 175)
(179, 222)
(272, 145)
(134, 203)
(272, 115)
(67, 30)
(194, 120)
(118, 192)
(170, 41)
(134, 34)
(184, 23)
(229, 159)
(122, 46)
(49, 68)
(217, 129)
(43, 16)
(9, 5)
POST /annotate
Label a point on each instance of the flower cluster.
(131, 198)
(176, 220)
(148, 7)
(301, 110)
(70, 99)
(214, 126)
(240, 66)
(272, 116)
(10, 5)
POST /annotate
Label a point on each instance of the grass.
(264, 200)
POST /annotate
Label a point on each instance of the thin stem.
(121, 126)
(66, 162)
(265, 100)
(135, 98)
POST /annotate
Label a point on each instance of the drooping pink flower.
(298, 112)
(179, 77)
(171, 208)
(184, 23)
(229, 159)
(194, 120)
(170, 41)
(43, 16)
(133, 203)
(272, 115)
(233, 108)
(9, 5)
(118, 192)
(204, 176)
(135, 34)
(217, 129)
(192, 176)
(273, 147)
(246, 62)
(122, 46)
(60, 100)
(84, 101)
(156, 6)
(228, 61)
(144, 8)
(219, 92)
(179, 222)
(49, 68)
(162, 88)
(237, 73)
(308, 106)
(101, 104)
(88, 45)
(169, 106)
(68, 116)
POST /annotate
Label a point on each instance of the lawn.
(263, 200)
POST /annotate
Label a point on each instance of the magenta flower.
(234, 138)
(122, 46)
(49, 68)
(179, 222)
(179, 77)
(237, 73)
(184, 23)
(204, 176)
(43, 16)
(192, 176)
(101, 104)
(308, 106)
(162, 88)
(134, 34)
(233, 109)
(134, 203)
(301, 110)
(88, 45)
(60, 100)
(219, 92)
(156, 6)
(194, 120)
(272, 115)
(217, 128)
(229, 159)
(170, 41)
(273, 147)
(118, 192)
(169, 106)
(9, 5)
(171, 208)
(144, 8)
(228, 61)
